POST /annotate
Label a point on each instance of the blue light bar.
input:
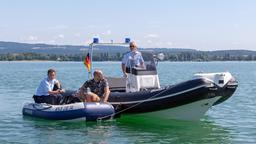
(95, 40)
(127, 40)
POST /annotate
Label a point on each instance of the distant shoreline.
(100, 56)
(13, 51)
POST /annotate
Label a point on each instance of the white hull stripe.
(153, 99)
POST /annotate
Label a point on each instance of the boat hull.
(86, 111)
(192, 111)
(189, 100)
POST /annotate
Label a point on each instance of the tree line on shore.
(182, 56)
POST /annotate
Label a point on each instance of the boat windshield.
(149, 61)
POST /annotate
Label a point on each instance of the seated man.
(94, 90)
(132, 59)
(49, 90)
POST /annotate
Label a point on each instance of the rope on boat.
(112, 115)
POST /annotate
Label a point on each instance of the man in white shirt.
(49, 90)
(132, 59)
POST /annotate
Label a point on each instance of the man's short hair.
(97, 72)
(132, 43)
(50, 71)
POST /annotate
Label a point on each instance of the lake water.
(233, 121)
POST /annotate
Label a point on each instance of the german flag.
(87, 62)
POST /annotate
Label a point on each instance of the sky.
(196, 24)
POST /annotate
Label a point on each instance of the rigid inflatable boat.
(187, 100)
(140, 94)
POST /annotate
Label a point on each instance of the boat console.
(143, 78)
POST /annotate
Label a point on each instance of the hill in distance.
(15, 47)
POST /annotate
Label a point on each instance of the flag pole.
(91, 66)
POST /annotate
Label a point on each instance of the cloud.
(169, 43)
(59, 36)
(52, 42)
(108, 32)
(152, 36)
(95, 26)
(58, 27)
(149, 41)
(32, 38)
(3, 28)
(235, 43)
(89, 27)
(77, 34)
(95, 35)
(158, 44)
(154, 26)
(236, 26)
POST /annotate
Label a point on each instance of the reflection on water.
(128, 129)
(75, 131)
(145, 129)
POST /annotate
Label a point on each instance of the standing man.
(132, 59)
(95, 89)
(49, 90)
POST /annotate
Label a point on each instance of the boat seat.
(116, 84)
